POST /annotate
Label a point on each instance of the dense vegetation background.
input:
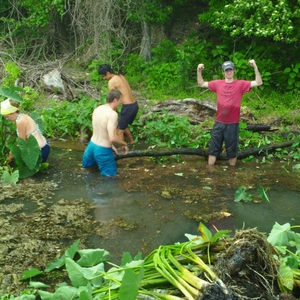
(157, 44)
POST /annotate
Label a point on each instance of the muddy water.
(150, 204)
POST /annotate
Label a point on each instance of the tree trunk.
(146, 41)
(202, 152)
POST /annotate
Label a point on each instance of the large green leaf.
(60, 262)
(56, 263)
(262, 193)
(94, 274)
(62, 293)
(285, 277)
(280, 235)
(130, 284)
(30, 151)
(75, 273)
(91, 257)
(25, 297)
(241, 194)
(30, 273)
(11, 92)
(71, 251)
(14, 177)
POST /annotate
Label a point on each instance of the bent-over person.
(100, 149)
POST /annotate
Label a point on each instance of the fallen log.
(201, 152)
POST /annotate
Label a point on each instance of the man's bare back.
(129, 104)
(120, 83)
(104, 119)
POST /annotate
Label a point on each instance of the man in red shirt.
(229, 96)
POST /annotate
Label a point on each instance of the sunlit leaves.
(262, 18)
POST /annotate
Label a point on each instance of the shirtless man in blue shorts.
(100, 149)
(129, 105)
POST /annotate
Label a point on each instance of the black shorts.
(228, 133)
(127, 115)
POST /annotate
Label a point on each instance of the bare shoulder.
(115, 82)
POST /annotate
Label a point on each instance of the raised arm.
(200, 79)
(258, 81)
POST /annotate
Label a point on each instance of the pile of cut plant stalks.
(205, 267)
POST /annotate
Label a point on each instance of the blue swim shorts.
(45, 152)
(103, 156)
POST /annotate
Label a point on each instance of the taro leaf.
(241, 194)
(138, 256)
(280, 235)
(71, 251)
(262, 193)
(25, 172)
(285, 277)
(30, 151)
(94, 274)
(30, 273)
(75, 273)
(91, 257)
(38, 285)
(16, 153)
(45, 295)
(65, 293)
(115, 275)
(24, 297)
(56, 263)
(85, 292)
(130, 284)
(30, 165)
(292, 262)
(10, 92)
(14, 177)
(126, 258)
(205, 232)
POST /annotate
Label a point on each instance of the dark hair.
(113, 94)
(103, 69)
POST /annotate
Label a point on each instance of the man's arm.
(200, 79)
(112, 133)
(258, 81)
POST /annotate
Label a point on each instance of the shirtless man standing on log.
(129, 105)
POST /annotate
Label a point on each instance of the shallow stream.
(148, 204)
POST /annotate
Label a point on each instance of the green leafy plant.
(13, 72)
(287, 243)
(241, 194)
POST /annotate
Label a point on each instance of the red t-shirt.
(229, 97)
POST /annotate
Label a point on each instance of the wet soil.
(32, 239)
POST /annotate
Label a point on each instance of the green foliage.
(241, 194)
(13, 72)
(168, 131)
(30, 98)
(278, 20)
(27, 155)
(68, 119)
(293, 73)
(149, 11)
(287, 242)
